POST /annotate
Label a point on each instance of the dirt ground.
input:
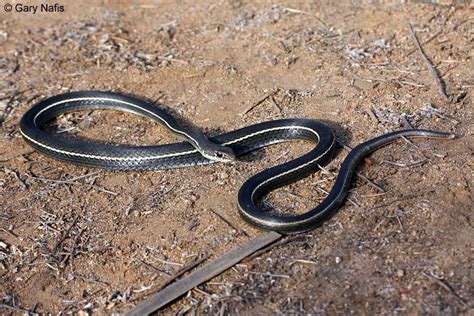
(81, 239)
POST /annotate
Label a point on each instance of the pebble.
(3, 245)
(338, 260)
(400, 273)
(3, 35)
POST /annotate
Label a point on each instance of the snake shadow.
(178, 117)
(342, 134)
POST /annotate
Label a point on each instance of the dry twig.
(405, 122)
(183, 270)
(408, 164)
(447, 287)
(425, 42)
(73, 181)
(253, 106)
(291, 10)
(270, 274)
(439, 113)
(16, 175)
(225, 220)
(18, 309)
(434, 71)
(6, 110)
(158, 270)
(66, 233)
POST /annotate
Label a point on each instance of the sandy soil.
(80, 239)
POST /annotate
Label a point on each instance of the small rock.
(110, 305)
(338, 260)
(104, 38)
(3, 244)
(3, 35)
(400, 273)
(223, 175)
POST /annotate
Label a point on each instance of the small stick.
(17, 309)
(370, 182)
(75, 244)
(367, 160)
(17, 155)
(425, 42)
(151, 266)
(201, 291)
(400, 222)
(84, 176)
(432, 109)
(7, 110)
(183, 270)
(225, 220)
(94, 186)
(395, 79)
(303, 261)
(348, 198)
(462, 22)
(447, 287)
(434, 72)
(63, 238)
(10, 232)
(15, 174)
(373, 116)
(405, 122)
(405, 165)
(409, 142)
(170, 262)
(378, 224)
(445, 117)
(413, 84)
(325, 171)
(404, 198)
(87, 279)
(306, 13)
(271, 94)
(270, 274)
(272, 98)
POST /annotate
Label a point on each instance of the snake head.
(219, 153)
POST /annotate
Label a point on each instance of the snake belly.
(184, 154)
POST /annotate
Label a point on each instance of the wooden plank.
(203, 274)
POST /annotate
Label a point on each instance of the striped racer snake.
(200, 150)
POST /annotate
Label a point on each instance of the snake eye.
(223, 154)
